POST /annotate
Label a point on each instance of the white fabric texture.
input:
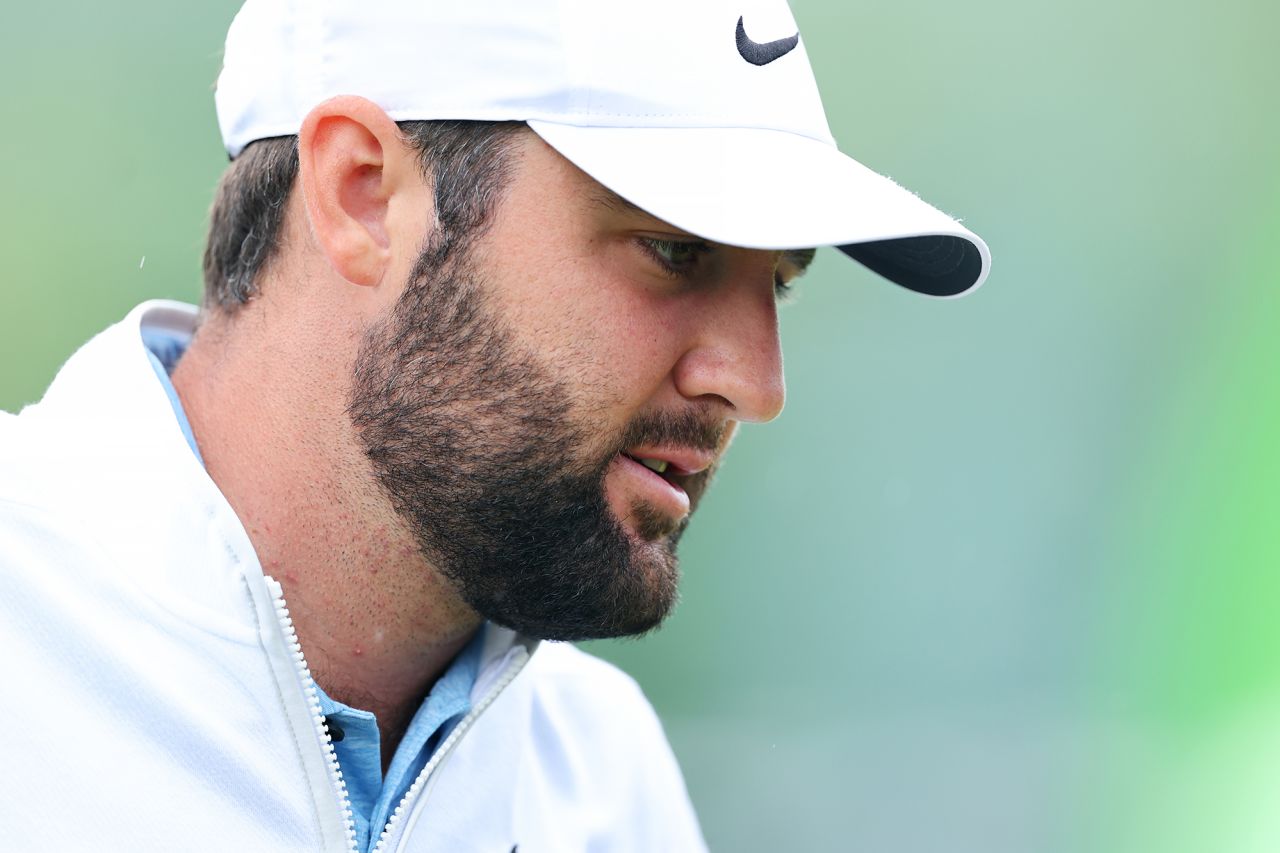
(150, 698)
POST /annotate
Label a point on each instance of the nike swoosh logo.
(762, 54)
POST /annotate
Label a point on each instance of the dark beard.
(474, 442)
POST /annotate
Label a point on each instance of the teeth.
(658, 465)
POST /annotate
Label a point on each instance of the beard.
(502, 485)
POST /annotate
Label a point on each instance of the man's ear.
(350, 164)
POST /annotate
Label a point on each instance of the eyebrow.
(607, 198)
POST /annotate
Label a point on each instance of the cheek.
(609, 337)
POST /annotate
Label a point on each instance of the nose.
(736, 354)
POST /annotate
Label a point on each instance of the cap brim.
(767, 189)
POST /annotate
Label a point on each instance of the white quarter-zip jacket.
(154, 696)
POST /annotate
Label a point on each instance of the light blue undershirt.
(373, 797)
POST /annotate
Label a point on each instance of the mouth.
(660, 467)
(677, 467)
(666, 480)
(646, 496)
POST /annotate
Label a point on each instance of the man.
(487, 292)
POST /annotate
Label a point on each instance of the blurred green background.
(1005, 575)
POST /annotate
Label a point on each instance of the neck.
(377, 622)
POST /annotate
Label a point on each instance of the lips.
(661, 473)
(682, 470)
(658, 466)
(638, 486)
(671, 461)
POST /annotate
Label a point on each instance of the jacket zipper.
(421, 785)
(313, 704)
(411, 804)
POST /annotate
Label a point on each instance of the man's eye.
(783, 290)
(791, 266)
(678, 256)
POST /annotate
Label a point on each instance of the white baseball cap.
(704, 113)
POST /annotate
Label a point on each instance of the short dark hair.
(466, 161)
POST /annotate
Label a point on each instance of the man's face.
(546, 410)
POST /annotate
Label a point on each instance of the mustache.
(682, 429)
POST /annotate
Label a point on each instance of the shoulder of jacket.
(28, 460)
(593, 698)
(595, 719)
(568, 667)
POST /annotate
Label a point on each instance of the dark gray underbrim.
(936, 265)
